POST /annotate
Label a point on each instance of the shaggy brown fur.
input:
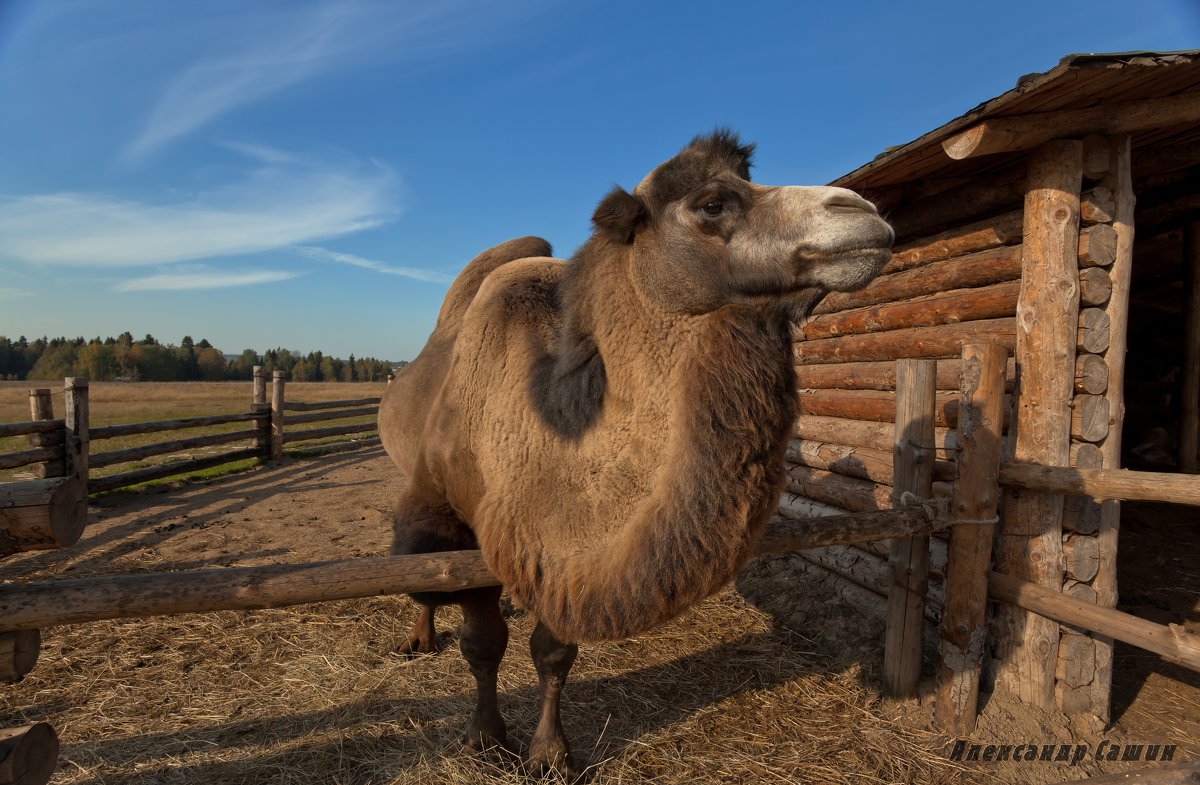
(611, 431)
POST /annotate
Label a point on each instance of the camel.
(610, 431)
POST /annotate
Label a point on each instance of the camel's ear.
(620, 215)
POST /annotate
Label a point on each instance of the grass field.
(112, 403)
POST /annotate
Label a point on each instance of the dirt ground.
(774, 680)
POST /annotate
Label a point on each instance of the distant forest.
(150, 361)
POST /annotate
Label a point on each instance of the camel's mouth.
(841, 270)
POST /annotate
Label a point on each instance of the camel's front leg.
(553, 660)
(483, 640)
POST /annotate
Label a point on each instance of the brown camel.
(610, 431)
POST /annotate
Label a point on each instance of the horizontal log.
(878, 375)
(1093, 334)
(1171, 642)
(877, 405)
(75, 601)
(30, 428)
(876, 435)
(299, 419)
(961, 272)
(28, 754)
(784, 535)
(974, 199)
(99, 460)
(948, 307)
(326, 448)
(1095, 286)
(982, 235)
(864, 463)
(111, 482)
(1024, 132)
(321, 433)
(846, 492)
(41, 514)
(1104, 484)
(1089, 418)
(1091, 374)
(19, 652)
(301, 406)
(130, 429)
(1097, 246)
(944, 340)
(13, 460)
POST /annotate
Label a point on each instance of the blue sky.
(312, 174)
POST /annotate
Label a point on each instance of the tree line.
(123, 358)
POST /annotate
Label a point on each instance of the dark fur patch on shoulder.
(619, 215)
(568, 388)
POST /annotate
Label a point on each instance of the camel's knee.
(484, 636)
(419, 526)
(551, 657)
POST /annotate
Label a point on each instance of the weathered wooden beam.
(864, 463)
(783, 535)
(909, 560)
(28, 754)
(876, 375)
(991, 232)
(876, 435)
(130, 429)
(300, 419)
(1090, 418)
(321, 433)
(876, 405)
(301, 406)
(1171, 642)
(100, 460)
(76, 427)
(41, 514)
(945, 307)
(1091, 374)
(18, 654)
(41, 409)
(973, 510)
(110, 482)
(1095, 286)
(1103, 484)
(945, 340)
(277, 407)
(1093, 334)
(1030, 542)
(1027, 131)
(1097, 246)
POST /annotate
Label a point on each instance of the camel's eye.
(713, 208)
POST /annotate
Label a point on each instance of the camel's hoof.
(415, 647)
(551, 756)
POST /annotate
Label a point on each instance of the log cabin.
(1062, 220)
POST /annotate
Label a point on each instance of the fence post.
(912, 456)
(277, 382)
(75, 413)
(41, 408)
(261, 407)
(976, 492)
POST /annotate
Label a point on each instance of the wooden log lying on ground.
(948, 307)
(28, 755)
(945, 340)
(19, 652)
(41, 514)
(878, 375)
(80, 600)
(1171, 642)
(863, 433)
(1103, 484)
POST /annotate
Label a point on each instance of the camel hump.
(466, 285)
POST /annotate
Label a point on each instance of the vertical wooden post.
(41, 408)
(976, 493)
(277, 382)
(1189, 425)
(1030, 543)
(908, 565)
(262, 407)
(75, 413)
(1105, 582)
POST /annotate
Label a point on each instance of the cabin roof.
(1079, 81)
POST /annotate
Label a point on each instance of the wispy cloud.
(192, 280)
(314, 252)
(275, 206)
(9, 293)
(268, 48)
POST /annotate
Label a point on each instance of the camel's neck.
(724, 388)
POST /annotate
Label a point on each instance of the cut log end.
(28, 755)
(42, 514)
(18, 654)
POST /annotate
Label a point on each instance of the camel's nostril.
(847, 202)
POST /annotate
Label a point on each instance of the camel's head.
(704, 236)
